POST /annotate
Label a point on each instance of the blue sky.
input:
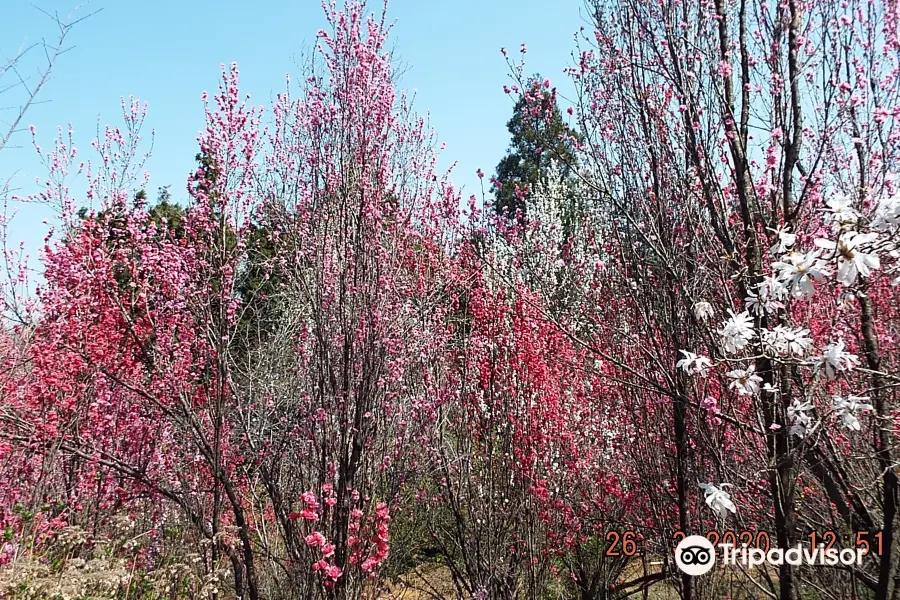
(166, 53)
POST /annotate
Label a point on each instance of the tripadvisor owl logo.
(695, 555)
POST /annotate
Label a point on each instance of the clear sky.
(166, 52)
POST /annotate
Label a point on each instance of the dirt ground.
(425, 583)
(434, 581)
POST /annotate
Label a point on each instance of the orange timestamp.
(622, 543)
(867, 541)
(759, 539)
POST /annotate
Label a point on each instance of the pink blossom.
(310, 499)
(369, 565)
(333, 571)
(711, 404)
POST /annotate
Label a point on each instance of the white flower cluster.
(703, 310)
(693, 364)
(786, 341)
(852, 260)
(799, 414)
(853, 251)
(886, 221)
(737, 332)
(835, 360)
(846, 409)
(767, 298)
(745, 381)
(887, 212)
(537, 257)
(852, 254)
(718, 499)
(797, 272)
(858, 242)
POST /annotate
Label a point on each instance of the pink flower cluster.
(311, 511)
(329, 571)
(316, 539)
(378, 547)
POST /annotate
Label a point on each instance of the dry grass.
(424, 583)
(102, 579)
(76, 579)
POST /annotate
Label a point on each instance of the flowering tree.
(541, 152)
(297, 440)
(339, 392)
(534, 485)
(20, 92)
(753, 221)
(529, 484)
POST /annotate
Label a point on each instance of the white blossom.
(852, 261)
(796, 339)
(798, 414)
(718, 499)
(693, 363)
(770, 341)
(746, 381)
(767, 298)
(737, 332)
(846, 409)
(703, 311)
(887, 214)
(786, 240)
(834, 360)
(798, 271)
(841, 209)
(545, 252)
(787, 341)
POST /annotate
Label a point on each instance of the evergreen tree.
(541, 140)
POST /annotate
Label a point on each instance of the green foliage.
(258, 287)
(537, 142)
(167, 215)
